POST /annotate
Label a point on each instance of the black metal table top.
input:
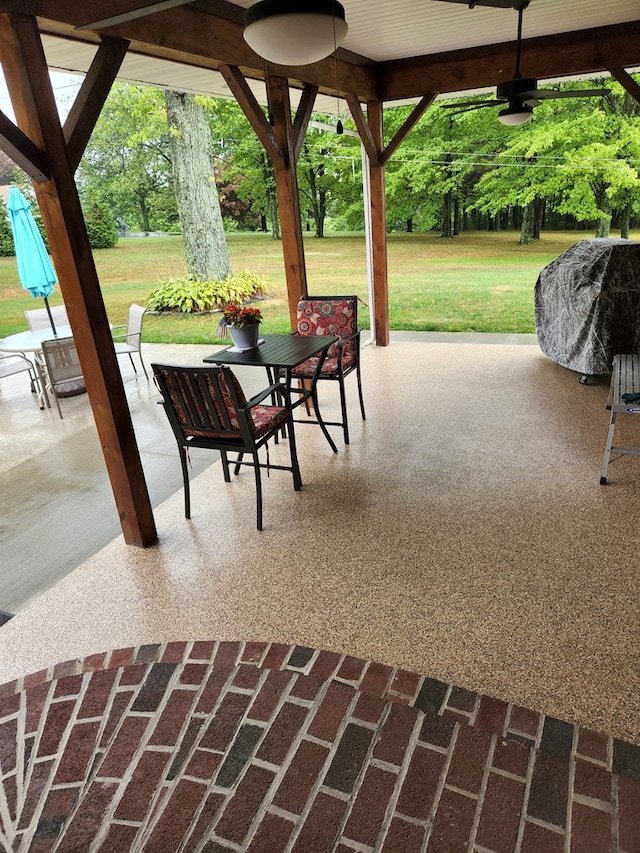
(286, 351)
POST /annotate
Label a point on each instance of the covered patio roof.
(409, 51)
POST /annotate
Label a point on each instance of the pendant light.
(295, 32)
(516, 113)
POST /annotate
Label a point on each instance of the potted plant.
(243, 323)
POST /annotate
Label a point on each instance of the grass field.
(475, 282)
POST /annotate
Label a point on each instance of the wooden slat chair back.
(207, 408)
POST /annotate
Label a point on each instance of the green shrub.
(189, 295)
(101, 226)
(6, 234)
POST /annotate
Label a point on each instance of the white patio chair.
(130, 341)
(64, 374)
(12, 363)
(39, 318)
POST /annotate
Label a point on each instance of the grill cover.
(587, 304)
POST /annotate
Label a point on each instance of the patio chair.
(12, 363)
(337, 316)
(207, 408)
(64, 374)
(38, 318)
(130, 341)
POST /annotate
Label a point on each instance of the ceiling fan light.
(295, 32)
(515, 114)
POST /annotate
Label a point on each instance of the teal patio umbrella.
(34, 265)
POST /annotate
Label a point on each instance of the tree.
(7, 247)
(127, 163)
(8, 169)
(242, 161)
(205, 244)
(325, 171)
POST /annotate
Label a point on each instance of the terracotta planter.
(245, 337)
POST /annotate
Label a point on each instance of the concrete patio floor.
(463, 537)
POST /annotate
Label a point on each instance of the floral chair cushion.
(334, 317)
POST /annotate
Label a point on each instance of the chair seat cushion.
(263, 420)
(329, 368)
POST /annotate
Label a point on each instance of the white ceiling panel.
(380, 30)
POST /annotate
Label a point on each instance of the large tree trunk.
(447, 215)
(528, 219)
(538, 213)
(603, 226)
(625, 221)
(205, 244)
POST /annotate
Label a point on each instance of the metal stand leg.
(41, 374)
(607, 451)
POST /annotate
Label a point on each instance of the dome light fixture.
(516, 113)
(295, 32)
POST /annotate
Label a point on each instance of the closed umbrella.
(34, 265)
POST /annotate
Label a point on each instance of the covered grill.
(587, 304)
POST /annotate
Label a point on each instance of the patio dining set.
(206, 405)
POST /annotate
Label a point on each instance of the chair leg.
(364, 417)
(132, 364)
(236, 470)
(225, 466)
(293, 451)
(185, 482)
(343, 406)
(256, 471)
(143, 366)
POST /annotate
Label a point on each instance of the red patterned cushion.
(329, 368)
(333, 317)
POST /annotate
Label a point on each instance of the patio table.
(278, 353)
(31, 341)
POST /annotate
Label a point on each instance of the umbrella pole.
(53, 325)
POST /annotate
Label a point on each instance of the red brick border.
(266, 748)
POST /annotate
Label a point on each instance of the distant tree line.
(574, 166)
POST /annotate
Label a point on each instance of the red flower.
(239, 316)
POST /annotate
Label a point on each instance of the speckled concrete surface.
(463, 534)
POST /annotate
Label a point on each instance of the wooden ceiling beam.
(626, 81)
(93, 93)
(22, 150)
(253, 111)
(188, 35)
(579, 52)
(302, 118)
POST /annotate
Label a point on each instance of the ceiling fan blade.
(548, 94)
(479, 105)
(472, 104)
(138, 10)
(498, 4)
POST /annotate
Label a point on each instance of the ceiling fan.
(519, 95)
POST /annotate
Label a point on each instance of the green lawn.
(475, 282)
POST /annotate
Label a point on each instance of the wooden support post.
(378, 229)
(27, 77)
(288, 198)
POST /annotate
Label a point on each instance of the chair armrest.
(344, 341)
(276, 388)
(355, 336)
(116, 335)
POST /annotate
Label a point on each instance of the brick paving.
(206, 747)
